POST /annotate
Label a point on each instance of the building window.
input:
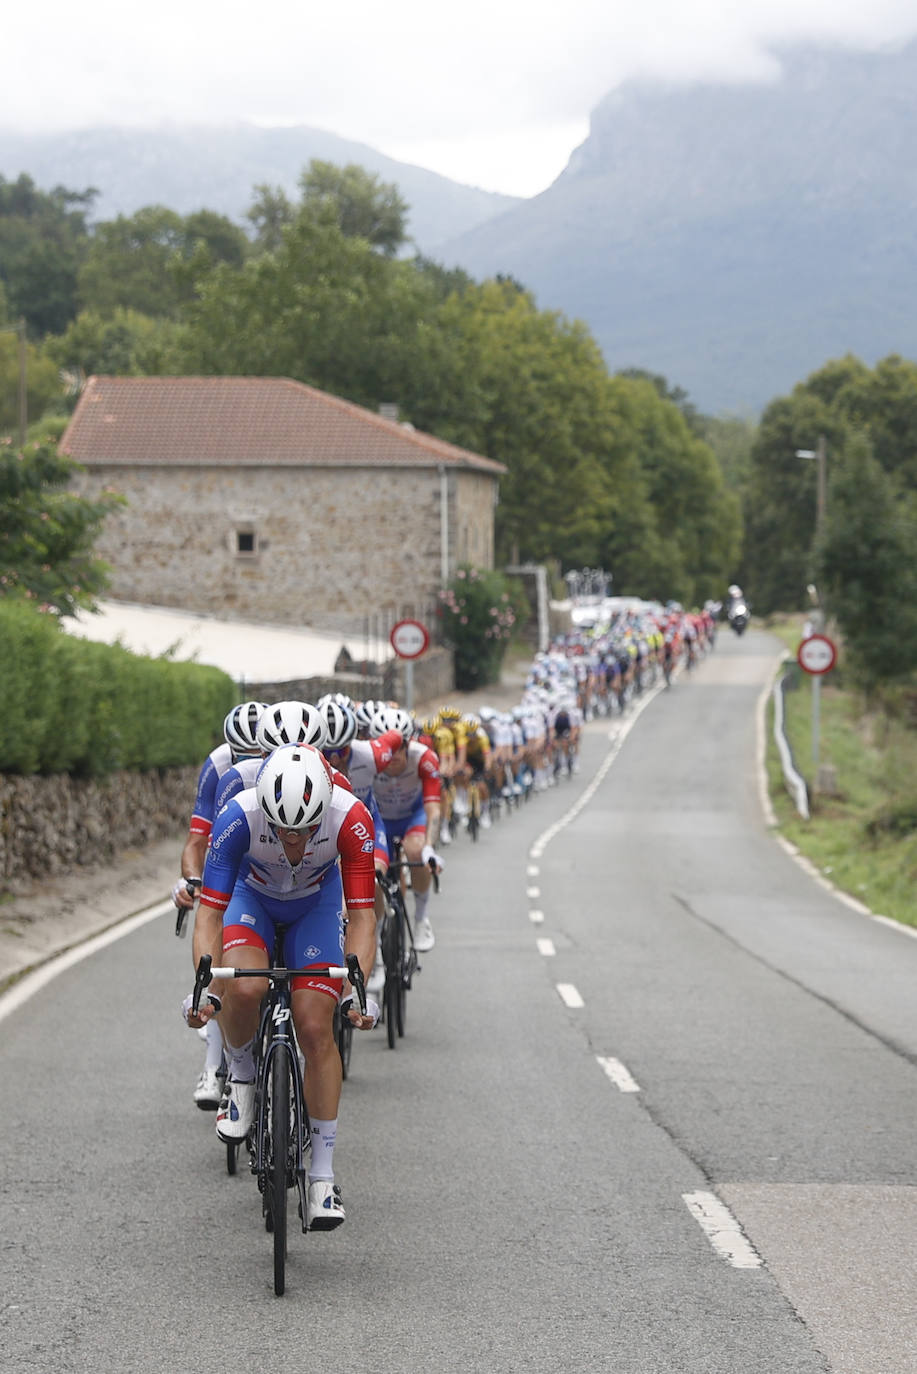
(246, 543)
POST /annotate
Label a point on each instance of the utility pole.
(19, 329)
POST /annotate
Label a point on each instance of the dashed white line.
(533, 892)
(546, 947)
(619, 1074)
(536, 917)
(532, 871)
(569, 996)
(722, 1230)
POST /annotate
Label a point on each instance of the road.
(526, 1176)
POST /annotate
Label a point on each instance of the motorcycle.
(738, 617)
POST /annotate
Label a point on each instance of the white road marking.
(722, 1230)
(619, 1074)
(546, 947)
(533, 870)
(536, 917)
(533, 892)
(569, 996)
(27, 986)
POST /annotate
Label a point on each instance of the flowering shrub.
(480, 612)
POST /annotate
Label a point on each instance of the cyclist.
(274, 863)
(408, 793)
(239, 743)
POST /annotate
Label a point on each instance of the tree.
(122, 344)
(47, 532)
(43, 385)
(867, 565)
(43, 240)
(271, 212)
(362, 205)
(150, 261)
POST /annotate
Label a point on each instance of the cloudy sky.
(495, 93)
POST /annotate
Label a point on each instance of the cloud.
(441, 80)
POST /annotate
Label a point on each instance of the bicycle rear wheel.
(279, 1164)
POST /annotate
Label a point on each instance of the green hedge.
(68, 705)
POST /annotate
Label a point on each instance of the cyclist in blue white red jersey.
(408, 793)
(292, 853)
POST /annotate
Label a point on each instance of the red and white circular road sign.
(409, 639)
(816, 655)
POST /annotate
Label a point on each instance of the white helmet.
(392, 718)
(340, 722)
(240, 726)
(293, 787)
(291, 722)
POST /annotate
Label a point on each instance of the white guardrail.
(795, 782)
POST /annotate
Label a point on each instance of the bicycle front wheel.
(279, 1164)
(401, 998)
(392, 954)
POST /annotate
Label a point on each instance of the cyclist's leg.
(248, 935)
(318, 938)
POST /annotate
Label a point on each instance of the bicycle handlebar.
(407, 863)
(181, 912)
(207, 971)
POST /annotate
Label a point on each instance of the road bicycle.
(280, 1137)
(397, 945)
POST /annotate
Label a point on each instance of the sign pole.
(816, 718)
(409, 684)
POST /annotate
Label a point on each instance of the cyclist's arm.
(356, 845)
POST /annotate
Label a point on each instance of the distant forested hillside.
(732, 237)
(188, 168)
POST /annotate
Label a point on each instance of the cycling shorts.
(313, 928)
(398, 827)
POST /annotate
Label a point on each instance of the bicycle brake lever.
(355, 974)
(202, 979)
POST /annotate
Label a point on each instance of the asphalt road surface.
(654, 1112)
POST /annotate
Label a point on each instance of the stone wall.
(325, 547)
(56, 824)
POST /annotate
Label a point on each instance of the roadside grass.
(864, 838)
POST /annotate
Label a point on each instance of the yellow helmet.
(449, 713)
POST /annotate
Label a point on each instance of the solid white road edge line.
(619, 1074)
(569, 996)
(722, 1230)
(31, 983)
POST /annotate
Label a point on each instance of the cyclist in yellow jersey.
(472, 760)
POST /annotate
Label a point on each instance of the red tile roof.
(233, 421)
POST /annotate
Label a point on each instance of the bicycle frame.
(281, 1119)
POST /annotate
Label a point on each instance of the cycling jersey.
(217, 762)
(244, 848)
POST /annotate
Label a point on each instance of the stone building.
(260, 498)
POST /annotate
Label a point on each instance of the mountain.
(189, 168)
(731, 237)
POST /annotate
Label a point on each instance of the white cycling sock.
(214, 1055)
(324, 1135)
(242, 1062)
(420, 905)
